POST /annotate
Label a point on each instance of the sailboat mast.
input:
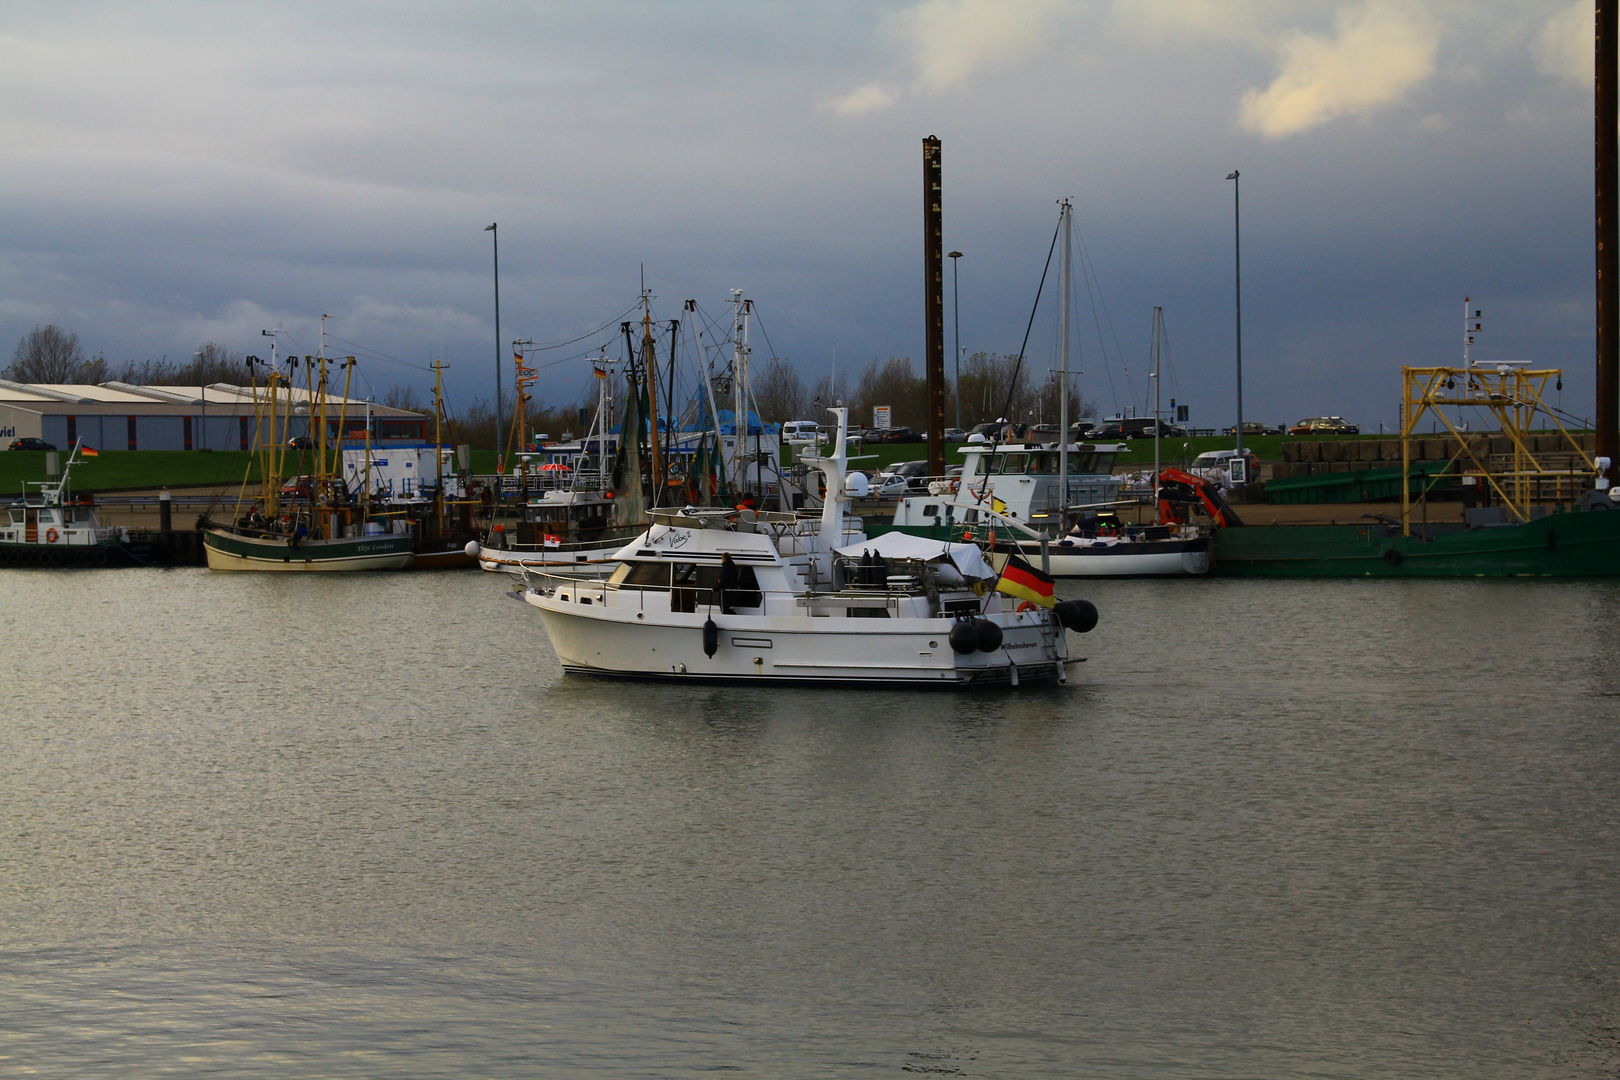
(736, 389)
(438, 441)
(1063, 378)
(1158, 419)
(319, 496)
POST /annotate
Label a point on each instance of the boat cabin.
(1025, 478)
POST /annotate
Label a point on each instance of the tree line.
(50, 354)
(993, 387)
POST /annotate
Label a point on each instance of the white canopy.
(898, 545)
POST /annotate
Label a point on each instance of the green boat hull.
(1579, 544)
(227, 550)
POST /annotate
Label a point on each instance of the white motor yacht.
(727, 595)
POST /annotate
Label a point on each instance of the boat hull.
(75, 556)
(593, 562)
(1080, 559)
(1152, 558)
(794, 649)
(1580, 544)
(234, 551)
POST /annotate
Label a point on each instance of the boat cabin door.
(31, 527)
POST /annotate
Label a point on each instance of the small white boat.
(729, 595)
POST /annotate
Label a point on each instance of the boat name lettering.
(673, 537)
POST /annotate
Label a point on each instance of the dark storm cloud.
(188, 172)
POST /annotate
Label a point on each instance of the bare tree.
(210, 363)
(1047, 405)
(892, 383)
(990, 390)
(403, 397)
(779, 392)
(50, 354)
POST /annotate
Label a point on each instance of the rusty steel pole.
(934, 305)
(1608, 242)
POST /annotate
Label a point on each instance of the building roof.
(118, 397)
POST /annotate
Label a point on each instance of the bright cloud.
(1380, 50)
(949, 41)
(870, 98)
(1564, 47)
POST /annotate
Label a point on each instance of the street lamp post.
(956, 324)
(495, 240)
(202, 385)
(1237, 278)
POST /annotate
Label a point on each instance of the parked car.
(801, 431)
(1136, 427)
(889, 484)
(999, 431)
(299, 486)
(30, 443)
(300, 442)
(912, 472)
(1254, 427)
(1324, 425)
(955, 434)
(1216, 466)
(904, 434)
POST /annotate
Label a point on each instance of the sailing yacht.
(713, 594)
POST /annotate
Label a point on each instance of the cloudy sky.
(185, 172)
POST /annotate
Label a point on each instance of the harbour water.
(363, 826)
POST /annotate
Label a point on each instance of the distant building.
(220, 416)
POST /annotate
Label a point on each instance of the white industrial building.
(220, 416)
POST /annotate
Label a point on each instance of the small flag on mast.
(88, 451)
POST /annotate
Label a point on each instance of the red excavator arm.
(1178, 490)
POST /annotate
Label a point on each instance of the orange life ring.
(1025, 605)
(51, 535)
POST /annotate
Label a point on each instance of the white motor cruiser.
(715, 594)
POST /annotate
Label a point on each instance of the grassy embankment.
(139, 470)
(1173, 451)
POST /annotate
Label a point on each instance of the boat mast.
(1607, 180)
(319, 495)
(708, 392)
(1158, 420)
(739, 382)
(438, 440)
(1063, 378)
(650, 362)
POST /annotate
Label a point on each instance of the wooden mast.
(1608, 240)
(934, 305)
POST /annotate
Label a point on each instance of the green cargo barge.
(1582, 543)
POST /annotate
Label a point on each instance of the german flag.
(88, 451)
(1022, 580)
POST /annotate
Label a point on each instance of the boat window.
(1082, 461)
(16, 517)
(992, 465)
(1043, 463)
(1013, 463)
(1105, 462)
(931, 510)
